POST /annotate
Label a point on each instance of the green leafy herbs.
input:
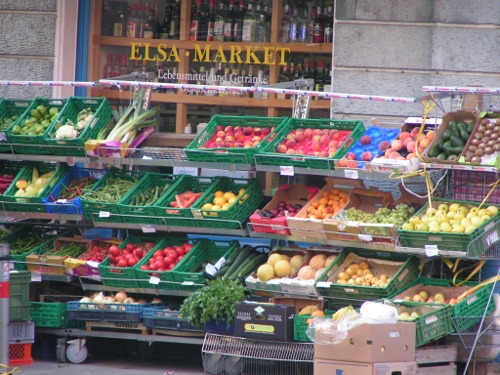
(214, 302)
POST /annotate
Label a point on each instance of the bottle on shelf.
(328, 29)
(261, 81)
(150, 23)
(238, 15)
(175, 16)
(116, 68)
(212, 81)
(165, 25)
(141, 18)
(108, 68)
(319, 80)
(219, 23)
(261, 29)
(303, 29)
(285, 25)
(228, 22)
(236, 82)
(318, 27)
(124, 66)
(249, 25)
(226, 81)
(294, 25)
(210, 21)
(196, 21)
(133, 22)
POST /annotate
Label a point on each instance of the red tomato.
(123, 263)
(132, 262)
(126, 252)
(153, 266)
(111, 258)
(158, 253)
(145, 268)
(151, 260)
(180, 257)
(114, 250)
(172, 253)
(161, 270)
(149, 245)
(118, 258)
(159, 264)
(167, 260)
(130, 246)
(188, 246)
(180, 250)
(138, 252)
(170, 266)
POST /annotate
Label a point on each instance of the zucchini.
(232, 257)
(222, 271)
(248, 259)
(442, 156)
(242, 255)
(256, 262)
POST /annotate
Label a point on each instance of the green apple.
(425, 220)
(451, 215)
(404, 316)
(459, 216)
(422, 227)
(414, 220)
(424, 294)
(445, 227)
(431, 211)
(469, 229)
(408, 226)
(434, 227)
(465, 222)
(458, 229)
(474, 209)
(485, 218)
(481, 212)
(476, 221)
(414, 315)
(443, 207)
(464, 210)
(454, 207)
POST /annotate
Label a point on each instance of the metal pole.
(4, 303)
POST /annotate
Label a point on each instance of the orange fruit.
(318, 313)
(219, 194)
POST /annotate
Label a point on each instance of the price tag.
(210, 269)
(3, 137)
(197, 214)
(92, 264)
(36, 277)
(187, 283)
(62, 201)
(154, 280)
(365, 237)
(71, 161)
(145, 157)
(104, 214)
(492, 238)
(186, 170)
(287, 170)
(148, 229)
(323, 284)
(351, 173)
(11, 266)
(431, 250)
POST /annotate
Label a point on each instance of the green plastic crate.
(102, 114)
(145, 214)
(473, 305)
(475, 243)
(32, 204)
(433, 323)
(51, 315)
(166, 279)
(8, 109)
(19, 300)
(239, 211)
(268, 156)
(124, 277)
(25, 144)
(204, 251)
(233, 155)
(300, 325)
(100, 211)
(11, 169)
(401, 268)
(182, 216)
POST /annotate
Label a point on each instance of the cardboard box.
(371, 343)
(367, 200)
(392, 165)
(298, 303)
(292, 194)
(77, 267)
(264, 321)
(52, 264)
(327, 367)
(458, 116)
(313, 229)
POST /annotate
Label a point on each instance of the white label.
(197, 214)
(210, 269)
(259, 310)
(431, 319)
(350, 290)
(145, 157)
(472, 299)
(287, 170)
(92, 264)
(148, 229)
(104, 214)
(187, 283)
(492, 238)
(220, 263)
(394, 334)
(351, 173)
(11, 266)
(431, 250)
(36, 277)
(191, 171)
(62, 201)
(154, 280)
(365, 237)
(323, 284)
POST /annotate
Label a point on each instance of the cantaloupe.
(265, 272)
(317, 261)
(282, 268)
(296, 261)
(273, 259)
(306, 273)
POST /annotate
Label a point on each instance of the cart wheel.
(76, 355)
(233, 365)
(61, 350)
(213, 363)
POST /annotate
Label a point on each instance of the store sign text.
(235, 55)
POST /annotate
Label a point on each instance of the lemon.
(225, 206)
(220, 201)
(228, 195)
(207, 206)
(218, 193)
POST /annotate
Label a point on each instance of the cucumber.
(457, 150)
(232, 257)
(248, 259)
(455, 133)
(256, 262)
(222, 271)
(435, 151)
(447, 147)
(242, 255)
(442, 156)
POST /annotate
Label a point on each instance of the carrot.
(190, 201)
(178, 199)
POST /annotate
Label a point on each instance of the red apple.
(325, 139)
(308, 133)
(248, 130)
(404, 135)
(291, 143)
(351, 156)
(266, 131)
(219, 128)
(397, 145)
(365, 140)
(394, 155)
(220, 134)
(228, 129)
(352, 164)
(383, 145)
(281, 148)
(366, 156)
(257, 131)
(238, 134)
(342, 163)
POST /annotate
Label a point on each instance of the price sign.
(431, 250)
(154, 280)
(104, 214)
(148, 229)
(287, 170)
(351, 173)
(365, 237)
(36, 277)
(210, 269)
(62, 201)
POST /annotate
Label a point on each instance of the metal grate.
(234, 355)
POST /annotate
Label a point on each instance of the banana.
(347, 312)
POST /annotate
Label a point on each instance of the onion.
(99, 298)
(120, 296)
(108, 300)
(156, 300)
(86, 300)
(128, 301)
(141, 301)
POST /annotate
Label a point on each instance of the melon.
(330, 260)
(265, 272)
(306, 273)
(317, 261)
(273, 259)
(319, 272)
(282, 268)
(296, 261)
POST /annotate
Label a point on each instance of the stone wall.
(27, 45)
(394, 47)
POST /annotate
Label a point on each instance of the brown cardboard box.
(371, 343)
(298, 303)
(328, 367)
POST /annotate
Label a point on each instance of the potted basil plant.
(213, 305)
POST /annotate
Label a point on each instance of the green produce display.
(22, 244)
(396, 216)
(150, 196)
(112, 191)
(71, 249)
(7, 121)
(452, 141)
(39, 121)
(77, 188)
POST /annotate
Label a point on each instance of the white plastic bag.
(378, 313)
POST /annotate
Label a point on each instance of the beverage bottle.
(294, 25)
(318, 27)
(124, 67)
(149, 24)
(165, 26)
(303, 29)
(238, 23)
(140, 19)
(249, 25)
(116, 68)
(132, 26)
(228, 23)
(236, 82)
(175, 15)
(328, 30)
(285, 25)
(194, 30)
(212, 81)
(219, 23)
(226, 81)
(210, 24)
(108, 68)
